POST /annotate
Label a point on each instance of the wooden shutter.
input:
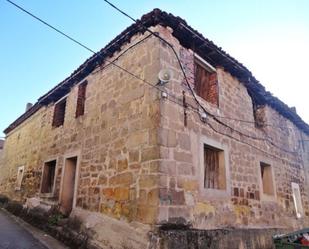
(59, 113)
(81, 98)
(211, 167)
(206, 84)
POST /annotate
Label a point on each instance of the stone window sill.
(214, 194)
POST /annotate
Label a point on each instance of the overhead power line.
(153, 33)
(175, 100)
(173, 49)
(52, 27)
(77, 42)
(189, 85)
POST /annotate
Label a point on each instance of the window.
(297, 200)
(59, 113)
(206, 85)
(19, 178)
(81, 97)
(48, 177)
(267, 179)
(214, 168)
(213, 171)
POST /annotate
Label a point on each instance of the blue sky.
(270, 37)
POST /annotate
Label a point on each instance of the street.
(14, 236)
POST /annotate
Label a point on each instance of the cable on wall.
(187, 82)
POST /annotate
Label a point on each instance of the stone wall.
(115, 142)
(242, 204)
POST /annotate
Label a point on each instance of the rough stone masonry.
(142, 170)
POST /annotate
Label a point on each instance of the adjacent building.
(203, 157)
(1, 147)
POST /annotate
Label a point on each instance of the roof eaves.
(189, 38)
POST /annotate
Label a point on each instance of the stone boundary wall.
(218, 239)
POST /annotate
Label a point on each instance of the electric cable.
(52, 27)
(179, 101)
(153, 33)
(167, 43)
(141, 79)
(75, 41)
(186, 79)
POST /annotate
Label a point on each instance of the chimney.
(28, 106)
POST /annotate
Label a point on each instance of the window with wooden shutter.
(214, 168)
(59, 113)
(81, 98)
(206, 85)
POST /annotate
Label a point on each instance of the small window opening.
(206, 84)
(214, 168)
(48, 177)
(59, 113)
(267, 178)
(297, 200)
(19, 178)
(81, 98)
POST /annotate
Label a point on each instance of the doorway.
(68, 185)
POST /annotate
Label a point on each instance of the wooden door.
(68, 185)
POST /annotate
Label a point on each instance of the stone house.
(213, 161)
